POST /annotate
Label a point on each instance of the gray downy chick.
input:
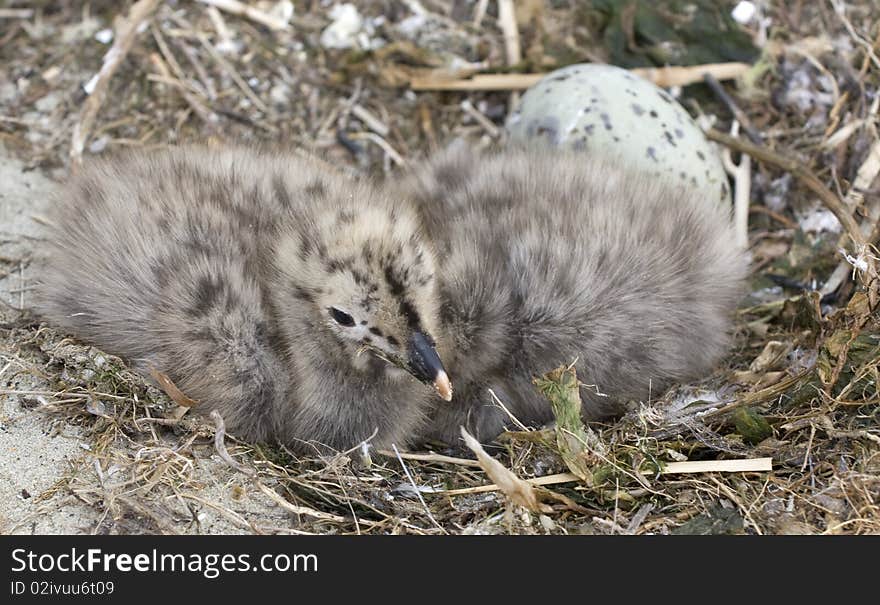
(553, 256)
(263, 286)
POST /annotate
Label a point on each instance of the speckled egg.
(607, 110)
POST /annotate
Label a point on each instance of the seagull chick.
(299, 304)
(551, 257)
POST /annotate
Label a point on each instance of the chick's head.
(366, 273)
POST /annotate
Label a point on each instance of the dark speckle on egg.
(701, 155)
(652, 153)
(546, 128)
(638, 109)
(668, 136)
(606, 120)
(653, 113)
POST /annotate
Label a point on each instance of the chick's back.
(546, 257)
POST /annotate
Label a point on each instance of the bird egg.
(603, 109)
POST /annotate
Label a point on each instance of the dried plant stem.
(126, 32)
(803, 174)
(430, 458)
(507, 23)
(208, 117)
(416, 489)
(661, 76)
(243, 10)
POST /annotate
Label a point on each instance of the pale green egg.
(606, 110)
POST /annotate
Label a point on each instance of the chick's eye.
(341, 317)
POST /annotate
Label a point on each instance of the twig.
(224, 64)
(386, 147)
(510, 415)
(545, 480)
(372, 122)
(866, 175)
(840, 10)
(208, 117)
(418, 492)
(746, 465)
(507, 23)
(305, 510)
(638, 519)
(254, 14)
(661, 76)
(229, 514)
(742, 178)
(831, 201)
(480, 12)
(220, 445)
(739, 114)
(430, 458)
(126, 32)
(16, 13)
(482, 120)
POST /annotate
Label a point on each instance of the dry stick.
(741, 117)
(229, 514)
(126, 32)
(661, 76)
(866, 175)
(16, 13)
(482, 120)
(229, 69)
(828, 197)
(243, 10)
(507, 23)
(745, 465)
(430, 458)
(372, 122)
(742, 179)
(418, 492)
(305, 510)
(208, 117)
(385, 145)
(480, 12)
(831, 201)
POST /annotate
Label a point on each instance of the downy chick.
(551, 256)
(263, 286)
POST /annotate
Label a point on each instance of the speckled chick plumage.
(550, 257)
(254, 281)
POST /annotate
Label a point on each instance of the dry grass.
(800, 385)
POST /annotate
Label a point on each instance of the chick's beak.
(425, 364)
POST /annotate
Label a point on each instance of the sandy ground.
(40, 451)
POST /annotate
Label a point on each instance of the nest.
(799, 386)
